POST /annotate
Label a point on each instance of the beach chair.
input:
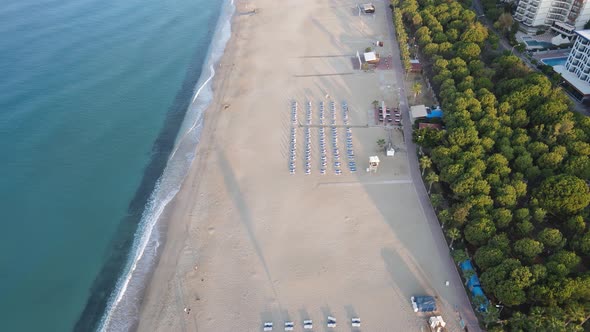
(289, 326)
(307, 324)
(331, 321)
(356, 322)
(268, 326)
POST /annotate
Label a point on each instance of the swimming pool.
(554, 61)
(536, 43)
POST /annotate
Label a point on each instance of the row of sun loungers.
(293, 144)
(335, 152)
(308, 324)
(323, 157)
(349, 147)
(308, 140)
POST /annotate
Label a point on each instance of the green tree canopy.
(528, 248)
(488, 256)
(551, 237)
(563, 194)
(479, 231)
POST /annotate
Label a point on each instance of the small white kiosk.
(373, 164)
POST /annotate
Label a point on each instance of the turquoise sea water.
(92, 96)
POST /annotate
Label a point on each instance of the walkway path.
(465, 309)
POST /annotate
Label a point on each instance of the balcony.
(560, 12)
(560, 5)
(564, 2)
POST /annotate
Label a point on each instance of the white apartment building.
(576, 70)
(572, 14)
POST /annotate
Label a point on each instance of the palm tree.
(431, 178)
(381, 143)
(425, 162)
(453, 234)
(416, 89)
(436, 200)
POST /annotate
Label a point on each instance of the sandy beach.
(248, 242)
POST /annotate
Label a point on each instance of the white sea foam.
(122, 310)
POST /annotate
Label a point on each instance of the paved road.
(466, 310)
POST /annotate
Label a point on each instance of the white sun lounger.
(356, 322)
(307, 324)
(331, 321)
(289, 326)
(268, 326)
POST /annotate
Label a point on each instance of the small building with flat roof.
(371, 57)
(435, 126)
(415, 66)
(418, 112)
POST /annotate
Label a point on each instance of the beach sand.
(247, 242)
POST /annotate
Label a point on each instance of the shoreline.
(132, 285)
(173, 230)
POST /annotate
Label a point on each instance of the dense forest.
(512, 167)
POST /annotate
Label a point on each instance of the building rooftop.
(584, 34)
(418, 111)
(436, 126)
(370, 56)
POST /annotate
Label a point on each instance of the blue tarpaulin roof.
(435, 113)
(424, 303)
(473, 284)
